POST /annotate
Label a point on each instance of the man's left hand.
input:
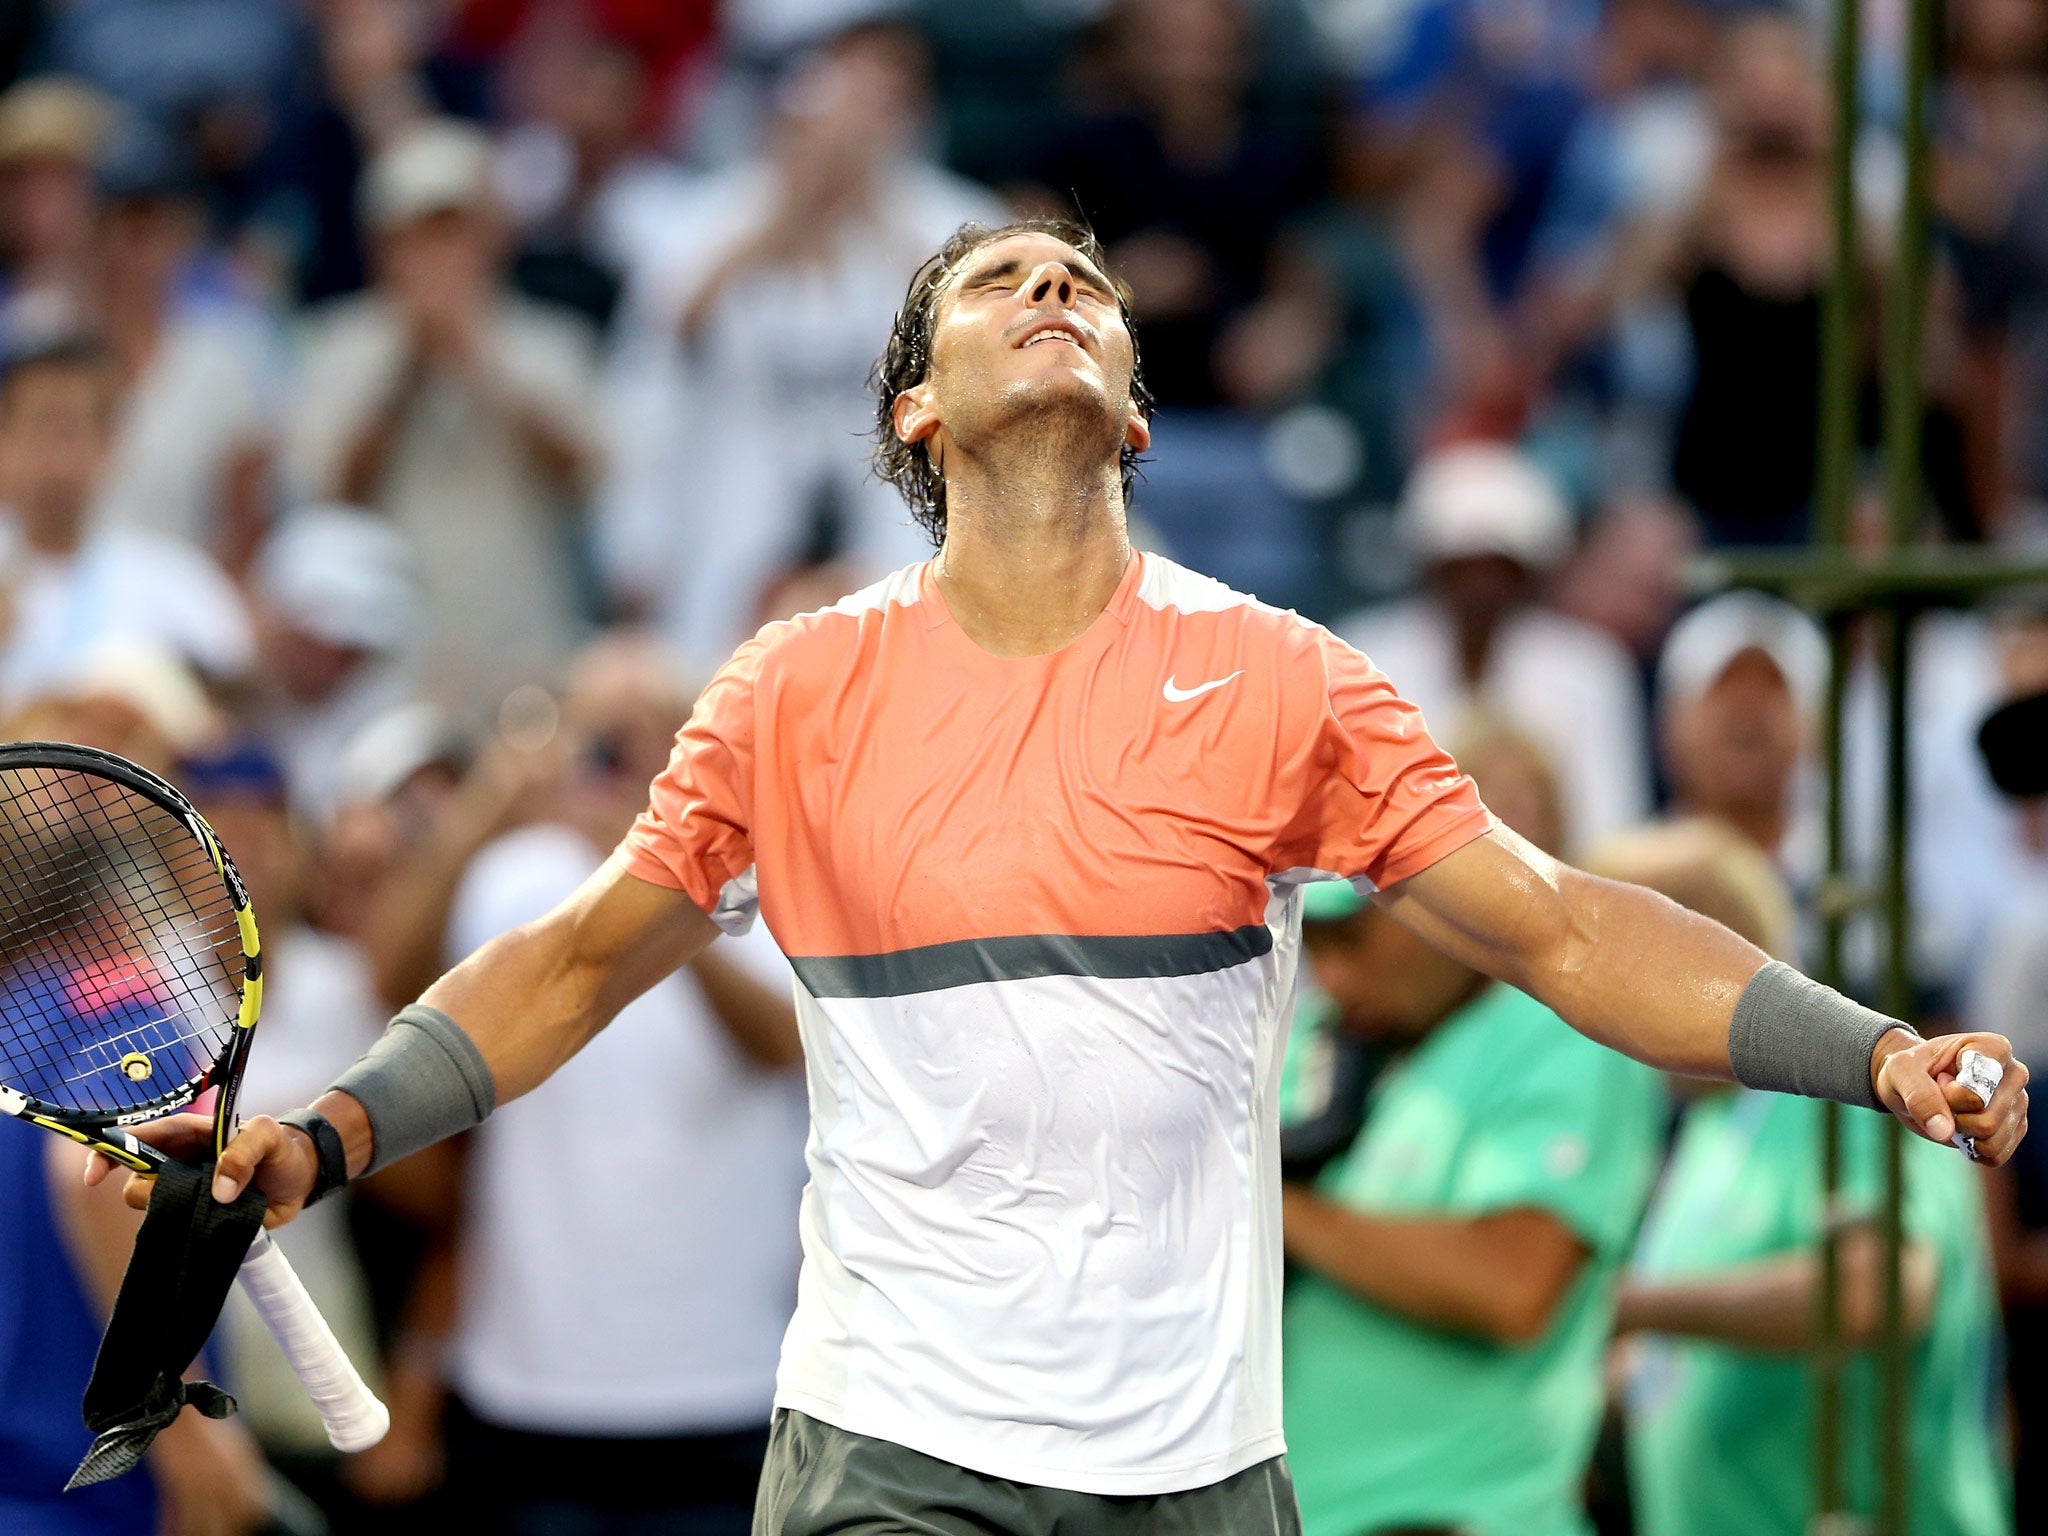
(1916, 1080)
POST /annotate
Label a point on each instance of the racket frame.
(102, 1132)
(354, 1418)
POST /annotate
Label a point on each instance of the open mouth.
(1055, 330)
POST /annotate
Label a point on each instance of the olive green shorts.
(823, 1481)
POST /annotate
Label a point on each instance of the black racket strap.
(185, 1259)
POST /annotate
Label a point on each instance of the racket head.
(130, 968)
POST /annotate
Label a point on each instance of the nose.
(1050, 283)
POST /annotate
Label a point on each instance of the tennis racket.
(131, 977)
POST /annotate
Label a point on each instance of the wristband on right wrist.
(422, 1081)
(1793, 1035)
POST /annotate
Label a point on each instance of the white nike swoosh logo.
(1181, 695)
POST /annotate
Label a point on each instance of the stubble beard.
(1043, 432)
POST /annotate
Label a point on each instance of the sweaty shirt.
(1044, 918)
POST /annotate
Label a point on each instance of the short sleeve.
(696, 834)
(1383, 801)
(1578, 1137)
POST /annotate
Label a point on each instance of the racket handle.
(1980, 1074)
(354, 1418)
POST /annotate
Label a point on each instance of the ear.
(1137, 431)
(915, 413)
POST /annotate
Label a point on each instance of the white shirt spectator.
(722, 458)
(1970, 861)
(493, 536)
(120, 585)
(627, 1286)
(1570, 686)
(197, 407)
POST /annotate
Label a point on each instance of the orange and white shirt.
(1044, 918)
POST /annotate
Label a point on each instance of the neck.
(1763, 825)
(1033, 551)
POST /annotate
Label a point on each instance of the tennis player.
(1030, 820)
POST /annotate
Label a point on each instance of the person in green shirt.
(1720, 1304)
(1455, 1266)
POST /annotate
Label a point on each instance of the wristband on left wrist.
(331, 1157)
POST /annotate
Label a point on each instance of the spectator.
(741, 371)
(1722, 1291)
(72, 588)
(1738, 691)
(1488, 525)
(338, 616)
(227, 76)
(1188, 181)
(59, 1270)
(1990, 184)
(571, 174)
(192, 356)
(2009, 989)
(611, 1371)
(129, 698)
(460, 412)
(1466, 1244)
(376, 81)
(319, 1011)
(52, 131)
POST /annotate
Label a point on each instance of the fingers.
(1994, 1130)
(1999, 1126)
(137, 1190)
(259, 1140)
(1908, 1089)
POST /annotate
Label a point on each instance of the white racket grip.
(354, 1418)
(1980, 1074)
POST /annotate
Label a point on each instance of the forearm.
(1774, 1305)
(499, 1023)
(1636, 971)
(1461, 1274)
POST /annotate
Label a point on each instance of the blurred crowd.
(405, 404)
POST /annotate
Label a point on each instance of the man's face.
(1387, 983)
(53, 441)
(443, 260)
(1029, 329)
(1732, 749)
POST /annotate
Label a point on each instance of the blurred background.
(405, 404)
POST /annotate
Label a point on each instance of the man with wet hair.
(1030, 819)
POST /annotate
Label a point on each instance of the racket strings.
(120, 955)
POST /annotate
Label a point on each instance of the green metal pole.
(1905, 312)
(1834, 489)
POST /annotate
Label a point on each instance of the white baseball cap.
(343, 575)
(433, 167)
(1485, 499)
(1706, 641)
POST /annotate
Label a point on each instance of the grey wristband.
(422, 1082)
(1793, 1035)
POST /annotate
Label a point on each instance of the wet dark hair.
(906, 359)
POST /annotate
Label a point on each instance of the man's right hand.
(279, 1161)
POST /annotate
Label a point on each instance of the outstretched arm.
(1638, 972)
(528, 1001)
